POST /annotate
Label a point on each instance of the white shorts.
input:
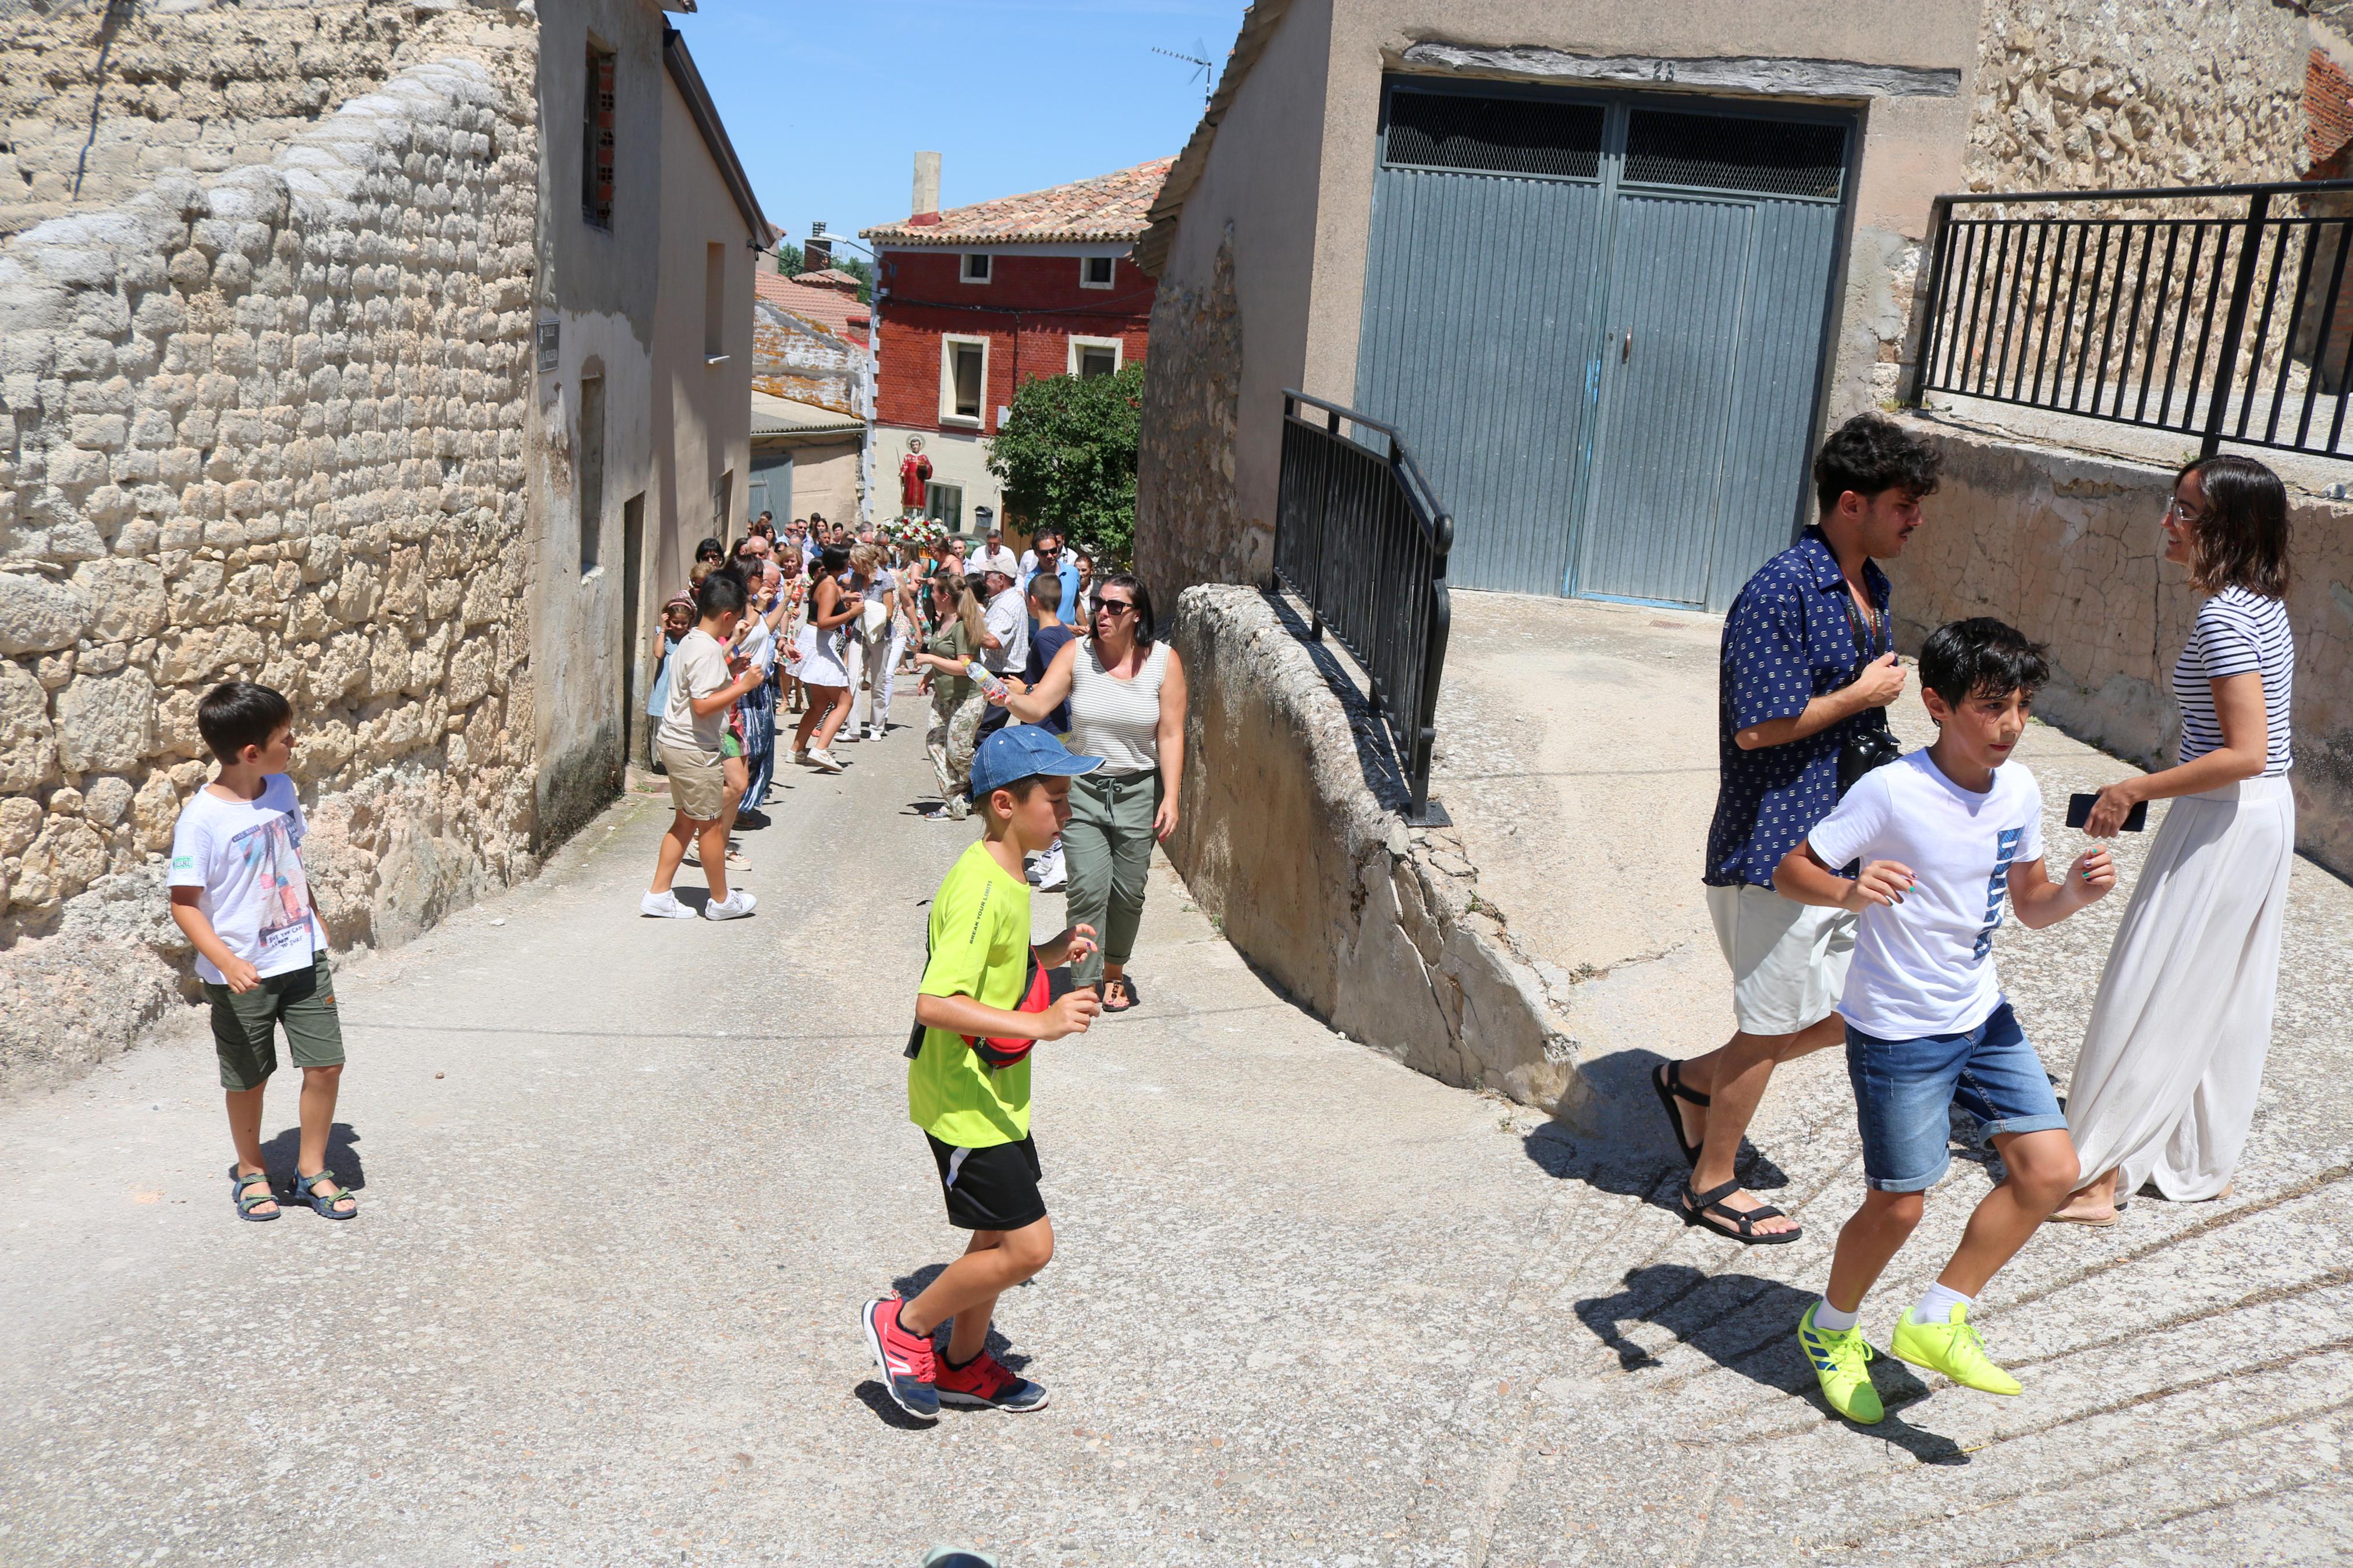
(1788, 960)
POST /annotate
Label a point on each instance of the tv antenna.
(1204, 69)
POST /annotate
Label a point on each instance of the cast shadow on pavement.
(278, 1156)
(1748, 1325)
(1632, 1152)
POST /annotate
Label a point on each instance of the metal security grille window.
(1719, 152)
(596, 142)
(1500, 136)
(2219, 311)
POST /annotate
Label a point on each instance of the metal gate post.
(2234, 325)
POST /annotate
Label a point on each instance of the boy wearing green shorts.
(985, 999)
(238, 892)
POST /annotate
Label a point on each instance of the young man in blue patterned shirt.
(1808, 661)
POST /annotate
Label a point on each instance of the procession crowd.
(1856, 890)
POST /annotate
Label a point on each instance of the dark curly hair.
(1981, 656)
(1871, 453)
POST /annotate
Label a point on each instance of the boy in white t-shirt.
(1941, 835)
(238, 892)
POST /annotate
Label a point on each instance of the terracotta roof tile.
(830, 277)
(1107, 207)
(830, 309)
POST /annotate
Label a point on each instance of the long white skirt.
(2165, 1087)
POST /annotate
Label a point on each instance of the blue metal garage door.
(1602, 323)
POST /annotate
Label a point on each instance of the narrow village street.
(625, 1182)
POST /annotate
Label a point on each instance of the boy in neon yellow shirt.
(983, 1002)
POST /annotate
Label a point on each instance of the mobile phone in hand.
(2079, 812)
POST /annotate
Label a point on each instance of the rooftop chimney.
(817, 253)
(927, 186)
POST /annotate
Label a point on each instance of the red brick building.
(971, 301)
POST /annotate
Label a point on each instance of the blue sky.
(827, 104)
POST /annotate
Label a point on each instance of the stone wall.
(268, 424)
(799, 360)
(1291, 839)
(2086, 94)
(1189, 526)
(2064, 547)
(124, 93)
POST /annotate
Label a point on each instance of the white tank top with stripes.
(1118, 720)
(2239, 632)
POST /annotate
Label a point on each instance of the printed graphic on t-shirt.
(279, 897)
(2005, 850)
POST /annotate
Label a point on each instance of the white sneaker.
(734, 907)
(825, 760)
(664, 907)
(875, 732)
(1052, 877)
(848, 737)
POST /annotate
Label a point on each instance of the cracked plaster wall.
(269, 423)
(2065, 548)
(1295, 846)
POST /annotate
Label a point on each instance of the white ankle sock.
(1936, 1304)
(1830, 1319)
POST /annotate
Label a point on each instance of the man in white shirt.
(1004, 625)
(994, 556)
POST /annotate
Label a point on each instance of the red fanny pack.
(1036, 995)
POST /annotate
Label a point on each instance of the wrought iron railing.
(1362, 538)
(2223, 313)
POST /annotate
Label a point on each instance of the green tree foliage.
(1066, 455)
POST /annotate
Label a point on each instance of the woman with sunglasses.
(2163, 1089)
(1126, 692)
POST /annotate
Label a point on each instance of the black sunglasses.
(1117, 606)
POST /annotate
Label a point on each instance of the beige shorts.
(1788, 960)
(698, 785)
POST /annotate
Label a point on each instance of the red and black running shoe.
(984, 1383)
(906, 1358)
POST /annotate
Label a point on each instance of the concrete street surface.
(624, 1183)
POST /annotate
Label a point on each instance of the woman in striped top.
(2165, 1087)
(1126, 692)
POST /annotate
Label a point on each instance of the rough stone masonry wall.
(1189, 526)
(2093, 94)
(1315, 878)
(268, 424)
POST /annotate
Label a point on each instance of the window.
(963, 378)
(944, 503)
(1094, 356)
(589, 482)
(975, 268)
(1094, 271)
(596, 142)
(714, 303)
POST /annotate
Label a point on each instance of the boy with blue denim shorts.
(1940, 837)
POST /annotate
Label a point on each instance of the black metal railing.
(2224, 312)
(1361, 537)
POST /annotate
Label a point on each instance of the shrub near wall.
(266, 424)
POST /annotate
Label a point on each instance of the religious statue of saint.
(915, 473)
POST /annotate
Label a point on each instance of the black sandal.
(1699, 1209)
(1667, 1082)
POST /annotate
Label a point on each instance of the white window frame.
(963, 267)
(949, 342)
(1118, 351)
(1110, 276)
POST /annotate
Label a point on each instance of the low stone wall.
(2066, 548)
(1189, 522)
(1291, 839)
(267, 425)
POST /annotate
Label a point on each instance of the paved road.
(624, 1183)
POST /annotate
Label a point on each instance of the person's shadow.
(1632, 1152)
(1748, 1325)
(278, 1155)
(908, 1287)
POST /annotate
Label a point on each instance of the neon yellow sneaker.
(1953, 1349)
(1842, 1363)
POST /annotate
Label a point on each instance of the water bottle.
(986, 678)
